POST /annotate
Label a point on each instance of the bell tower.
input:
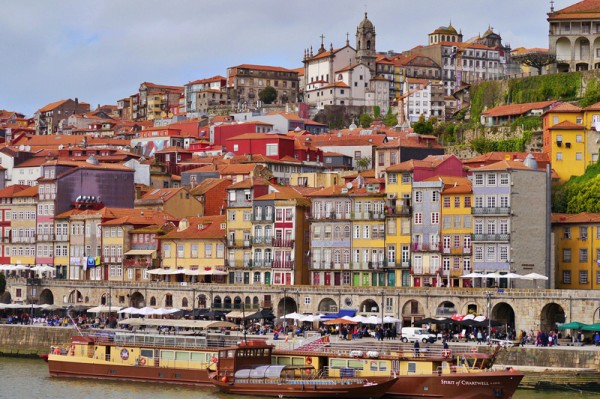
(365, 44)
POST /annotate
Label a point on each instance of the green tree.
(365, 120)
(2, 283)
(377, 112)
(391, 119)
(268, 95)
(424, 126)
(363, 163)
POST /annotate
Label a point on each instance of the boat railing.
(400, 349)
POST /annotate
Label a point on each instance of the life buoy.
(308, 361)
(446, 353)
(474, 350)
(214, 360)
(142, 361)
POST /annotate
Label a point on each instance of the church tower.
(365, 44)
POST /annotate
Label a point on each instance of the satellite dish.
(348, 186)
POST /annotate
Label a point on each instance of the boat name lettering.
(465, 382)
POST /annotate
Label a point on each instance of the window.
(566, 255)
(231, 216)
(446, 202)
(583, 255)
(435, 196)
(405, 178)
(491, 254)
(566, 233)
(504, 253)
(479, 179)
(418, 218)
(566, 277)
(457, 202)
(392, 178)
(579, 137)
(435, 217)
(578, 156)
(504, 179)
(208, 250)
(583, 233)
(478, 253)
(559, 156)
(583, 277)
(272, 149)
(467, 202)
(418, 196)
(504, 201)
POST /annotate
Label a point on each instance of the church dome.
(365, 23)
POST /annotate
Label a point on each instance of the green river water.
(28, 378)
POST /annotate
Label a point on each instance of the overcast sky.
(100, 51)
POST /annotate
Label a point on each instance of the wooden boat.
(432, 372)
(246, 369)
(178, 359)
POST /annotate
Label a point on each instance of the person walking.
(417, 348)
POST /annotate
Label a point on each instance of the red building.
(271, 145)
(433, 165)
(224, 132)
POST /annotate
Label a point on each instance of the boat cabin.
(245, 356)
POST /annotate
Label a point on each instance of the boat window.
(356, 364)
(298, 361)
(412, 367)
(198, 357)
(337, 363)
(283, 360)
(147, 353)
(230, 354)
(179, 355)
(383, 366)
(223, 354)
(373, 365)
(167, 355)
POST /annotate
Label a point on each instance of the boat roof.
(204, 324)
(266, 371)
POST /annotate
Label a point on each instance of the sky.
(102, 50)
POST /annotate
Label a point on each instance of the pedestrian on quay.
(417, 348)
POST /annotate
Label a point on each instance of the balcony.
(398, 211)
(425, 247)
(367, 215)
(22, 240)
(62, 237)
(262, 218)
(282, 243)
(457, 251)
(262, 240)
(46, 237)
(239, 243)
(137, 262)
(330, 216)
(289, 264)
(491, 237)
(491, 211)
(263, 263)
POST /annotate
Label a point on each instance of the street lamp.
(489, 304)
(382, 299)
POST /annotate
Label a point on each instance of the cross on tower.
(551, 5)
(322, 38)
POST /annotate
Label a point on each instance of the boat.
(190, 359)
(246, 369)
(142, 356)
(431, 372)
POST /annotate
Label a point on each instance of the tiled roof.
(28, 192)
(335, 84)
(593, 107)
(584, 217)
(493, 157)
(504, 165)
(249, 183)
(347, 68)
(567, 125)
(586, 9)
(205, 227)
(87, 165)
(516, 109)
(10, 191)
(262, 68)
(161, 194)
(171, 149)
(216, 78)
(565, 108)
(52, 106)
(286, 115)
(207, 184)
(236, 169)
(299, 70)
(410, 165)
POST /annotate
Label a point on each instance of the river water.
(28, 378)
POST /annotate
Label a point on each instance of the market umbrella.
(339, 321)
(164, 311)
(534, 276)
(293, 316)
(130, 310)
(266, 314)
(104, 309)
(146, 311)
(311, 318)
(390, 319)
(592, 327)
(574, 325)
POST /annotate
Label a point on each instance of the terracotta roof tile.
(260, 136)
(567, 125)
(516, 109)
(52, 106)
(28, 192)
(10, 191)
(586, 9)
(205, 227)
(207, 184)
(504, 165)
(584, 217)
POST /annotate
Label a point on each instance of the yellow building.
(315, 179)
(369, 262)
(577, 250)
(240, 196)
(23, 226)
(196, 249)
(456, 229)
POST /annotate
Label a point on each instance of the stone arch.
(445, 309)
(46, 297)
(328, 305)
(103, 298)
(596, 316)
(137, 300)
(582, 66)
(563, 49)
(412, 311)
(582, 48)
(153, 301)
(87, 299)
(202, 301)
(168, 300)
(184, 302)
(75, 297)
(255, 302)
(562, 67)
(369, 306)
(503, 313)
(286, 305)
(217, 302)
(227, 302)
(5, 297)
(248, 302)
(237, 302)
(551, 314)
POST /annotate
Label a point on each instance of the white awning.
(178, 323)
(142, 252)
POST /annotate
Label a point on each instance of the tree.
(535, 59)
(268, 95)
(423, 126)
(377, 112)
(391, 119)
(2, 283)
(363, 163)
(365, 121)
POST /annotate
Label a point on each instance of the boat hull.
(196, 377)
(308, 390)
(480, 385)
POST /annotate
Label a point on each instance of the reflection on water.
(22, 378)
